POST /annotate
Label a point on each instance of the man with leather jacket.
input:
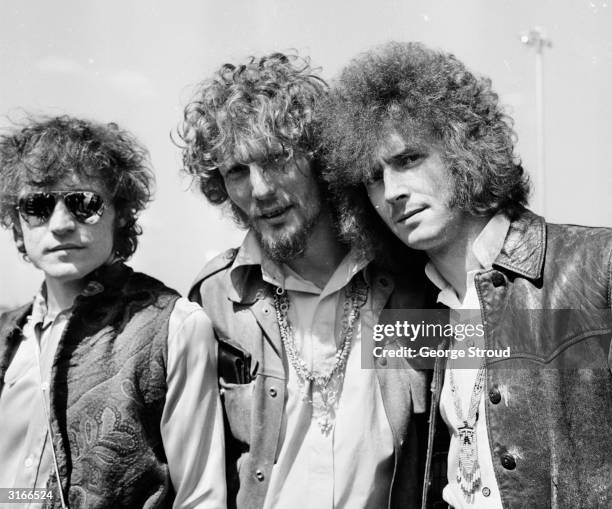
(412, 137)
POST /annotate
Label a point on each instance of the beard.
(287, 246)
(283, 243)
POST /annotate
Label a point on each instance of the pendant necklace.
(468, 471)
(327, 385)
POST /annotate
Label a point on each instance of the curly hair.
(252, 111)
(42, 152)
(425, 95)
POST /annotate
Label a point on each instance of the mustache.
(262, 209)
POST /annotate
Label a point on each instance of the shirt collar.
(490, 241)
(486, 249)
(40, 313)
(251, 254)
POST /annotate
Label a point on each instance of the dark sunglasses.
(86, 207)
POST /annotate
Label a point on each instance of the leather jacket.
(548, 407)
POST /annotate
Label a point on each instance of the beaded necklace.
(326, 384)
(468, 471)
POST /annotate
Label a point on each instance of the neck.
(322, 256)
(456, 259)
(61, 294)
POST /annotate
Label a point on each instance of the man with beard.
(306, 426)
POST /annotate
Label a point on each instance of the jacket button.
(508, 461)
(498, 279)
(259, 475)
(494, 395)
(486, 492)
(382, 361)
(383, 282)
(272, 392)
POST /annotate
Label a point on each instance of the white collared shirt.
(486, 248)
(352, 465)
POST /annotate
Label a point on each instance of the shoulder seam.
(212, 267)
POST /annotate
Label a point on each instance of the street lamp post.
(536, 39)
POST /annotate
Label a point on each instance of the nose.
(262, 186)
(395, 187)
(61, 220)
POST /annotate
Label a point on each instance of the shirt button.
(508, 461)
(259, 475)
(498, 279)
(486, 492)
(29, 462)
(45, 386)
(494, 395)
(266, 311)
(272, 392)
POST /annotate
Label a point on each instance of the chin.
(66, 274)
(285, 245)
(421, 241)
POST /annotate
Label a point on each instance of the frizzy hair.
(41, 152)
(260, 109)
(426, 96)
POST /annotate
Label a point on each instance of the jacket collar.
(247, 265)
(251, 266)
(524, 247)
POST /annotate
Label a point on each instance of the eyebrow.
(407, 150)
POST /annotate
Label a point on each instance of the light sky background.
(136, 63)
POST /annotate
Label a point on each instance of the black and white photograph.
(333, 254)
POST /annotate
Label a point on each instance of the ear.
(18, 237)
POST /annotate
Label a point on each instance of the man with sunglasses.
(105, 375)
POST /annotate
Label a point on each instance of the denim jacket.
(548, 407)
(242, 311)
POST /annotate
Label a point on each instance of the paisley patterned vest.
(108, 389)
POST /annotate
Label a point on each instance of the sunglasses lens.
(36, 208)
(85, 206)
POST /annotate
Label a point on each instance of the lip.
(273, 213)
(407, 215)
(64, 247)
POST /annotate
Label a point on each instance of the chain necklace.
(326, 384)
(468, 471)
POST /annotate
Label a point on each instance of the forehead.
(248, 151)
(67, 182)
(393, 143)
(273, 156)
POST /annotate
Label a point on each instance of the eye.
(278, 161)
(235, 172)
(409, 159)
